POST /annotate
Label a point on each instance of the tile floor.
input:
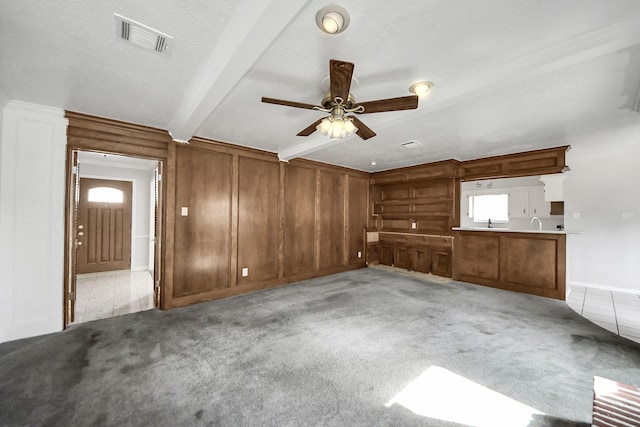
(112, 293)
(616, 311)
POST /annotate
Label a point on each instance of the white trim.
(571, 283)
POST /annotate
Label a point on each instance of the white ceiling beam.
(617, 35)
(253, 27)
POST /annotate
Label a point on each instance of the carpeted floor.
(363, 348)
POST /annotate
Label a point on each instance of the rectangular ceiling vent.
(411, 145)
(142, 35)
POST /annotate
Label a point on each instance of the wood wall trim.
(441, 169)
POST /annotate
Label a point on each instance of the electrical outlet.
(185, 211)
(359, 254)
(245, 272)
(414, 225)
(627, 215)
(576, 215)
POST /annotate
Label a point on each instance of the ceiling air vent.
(142, 36)
(411, 145)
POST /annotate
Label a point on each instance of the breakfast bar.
(529, 261)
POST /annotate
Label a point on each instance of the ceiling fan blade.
(340, 74)
(310, 129)
(288, 103)
(390, 104)
(363, 131)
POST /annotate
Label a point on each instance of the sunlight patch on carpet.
(441, 394)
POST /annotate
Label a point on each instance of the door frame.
(71, 211)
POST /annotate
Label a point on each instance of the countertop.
(508, 230)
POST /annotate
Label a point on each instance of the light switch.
(245, 272)
(414, 225)
(359, 254)
(185, 211)
(576, 215)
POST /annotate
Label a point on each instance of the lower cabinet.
(533, 263)
(426, 254)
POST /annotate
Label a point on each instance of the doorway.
(104, 225)
(112, 236)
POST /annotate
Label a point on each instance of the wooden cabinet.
(532, 263)
(426, 253)
(387, 253)
(538, 162)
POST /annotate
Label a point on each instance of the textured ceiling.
(509, 75)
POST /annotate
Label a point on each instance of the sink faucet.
(535, 218)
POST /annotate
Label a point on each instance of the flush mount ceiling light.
(421, 88)
(332, 19)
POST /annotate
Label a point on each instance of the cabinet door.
(441, 263)
(518, 204)
(537, 205)
(422, 259)
(386, 254)
(402, 257)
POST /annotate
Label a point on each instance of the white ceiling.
(509, 75)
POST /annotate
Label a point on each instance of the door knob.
(79, 243)
(81, 233)
(80, 227)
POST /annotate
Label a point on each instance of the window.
(106, 195)
(489, 206)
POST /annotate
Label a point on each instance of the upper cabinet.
(553, 187)
(539, 162)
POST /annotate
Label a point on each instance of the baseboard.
(141, 268)
(571, 283)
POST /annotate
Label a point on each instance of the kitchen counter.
(530, 261)
(508, 230)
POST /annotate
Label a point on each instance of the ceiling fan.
(339, 101)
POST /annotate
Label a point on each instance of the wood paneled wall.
(246, 211)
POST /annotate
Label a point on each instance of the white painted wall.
(604, 184)
(32, 180)
(140, 210)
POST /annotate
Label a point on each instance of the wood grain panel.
(357, 218)
(442, 263)
(422, 259)
(257, 219)
(202, 252)
(395, 208)
(433, 189)
(387, 254)
(538, 162)
(531, 262)
(299, 220)
(331, 219)
(479, 256)
(395, 192)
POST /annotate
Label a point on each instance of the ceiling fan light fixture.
(332, 19)
(337, 127)
(421, 88)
